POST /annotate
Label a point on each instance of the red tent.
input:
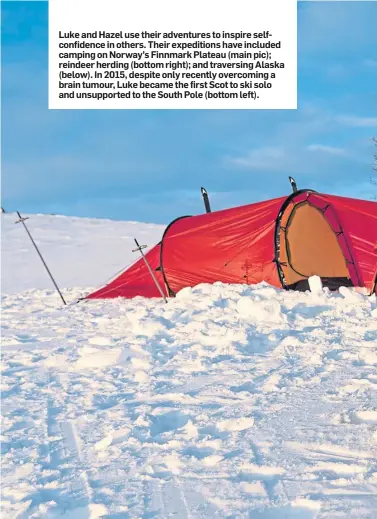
(281, 241)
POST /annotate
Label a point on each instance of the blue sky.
(150, 165)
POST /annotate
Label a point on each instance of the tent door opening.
(308, 247)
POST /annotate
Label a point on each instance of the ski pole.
(22, 220)
(139, 248)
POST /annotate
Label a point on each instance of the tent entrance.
(309, 246)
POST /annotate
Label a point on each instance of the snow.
(80, 252)
(230, 401)
(315, 284)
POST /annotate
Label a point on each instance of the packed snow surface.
(229, 401)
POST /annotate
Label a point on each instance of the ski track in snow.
(227, 402)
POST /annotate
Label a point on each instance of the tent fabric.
(359, 223)
(310, 246)
(354, 223)
(311, 241)
(136, 280)
(281, 241)
(233, 246)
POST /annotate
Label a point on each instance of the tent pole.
(22, 220)
(139, 248)
(205, 200)
(293, 184)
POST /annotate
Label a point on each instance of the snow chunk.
(256, 488)
(315, 284)
(269, 311)
(351, 295)
(369, 417)
(262, 470)
(238, 424)
(211, 461)
(101, 341)
(92, 358)
(104, 443)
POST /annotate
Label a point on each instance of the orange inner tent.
(309, 246)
